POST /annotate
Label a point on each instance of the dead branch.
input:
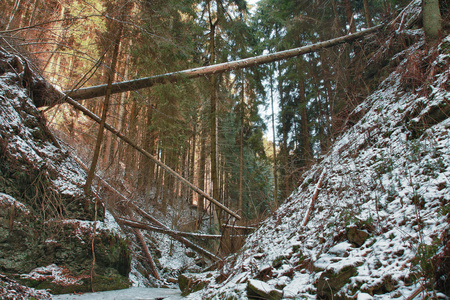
(153, 158)
(161, 227)
(313, 199)
(181, 239)
(238, 227)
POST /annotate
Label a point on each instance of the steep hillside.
(371, 219)
(46, 220)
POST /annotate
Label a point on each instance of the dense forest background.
(211, 130)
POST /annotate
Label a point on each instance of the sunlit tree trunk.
(91, 174)
(13, 14)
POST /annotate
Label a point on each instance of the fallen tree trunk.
(314, 197)
(181, 239)
(136, 84)
(97, 119)
(140, 225)
(239, 227)
(141, 239)
(177, 235)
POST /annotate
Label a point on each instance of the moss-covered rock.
(331, 281)
(190, 283)
(45, 217)
(356, 236)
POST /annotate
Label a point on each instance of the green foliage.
(423, 259)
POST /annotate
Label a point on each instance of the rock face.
(46, 221)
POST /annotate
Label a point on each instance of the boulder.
(260, 290)
(357, 236)
(331, 281)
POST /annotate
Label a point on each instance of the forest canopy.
(246, 136)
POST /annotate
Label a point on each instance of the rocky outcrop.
(46, 220)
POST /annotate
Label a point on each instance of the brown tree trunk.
(367, 13)
(141, 240)
(91, 174)
(241, 148)
(213, 124)
(201, 173)
(274, 147)
(306, 146)
(349, 14)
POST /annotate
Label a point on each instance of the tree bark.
(201, 172)
(241, 147)
(367, 13)
(349, 14)
(141, 240)
(274, 147)
(313, 199)
(306, 146)
(131, 85)
(91, 174)
(212, 122)
(432, 22)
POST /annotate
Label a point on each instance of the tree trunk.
(241, 147)
(367, 13)
(306, 146)
(182, 240)
(349, 14)
(141, 240)
(91, 174)
(432, 22)
(274, 147)
(131, 85)
(212, 123)
(201, 173)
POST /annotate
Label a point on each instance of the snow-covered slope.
(46, 220)
(382, 207)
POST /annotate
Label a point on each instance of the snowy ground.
(386, 178)
(133, 293)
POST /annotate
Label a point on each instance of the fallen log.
(127, 140)
(314, 197)
(149, 258)
(161, 227)
(181, 239)
(136, 84)
(140, 225)
(239, 227)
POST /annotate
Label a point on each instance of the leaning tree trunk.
(131, 85)
(91, 174)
